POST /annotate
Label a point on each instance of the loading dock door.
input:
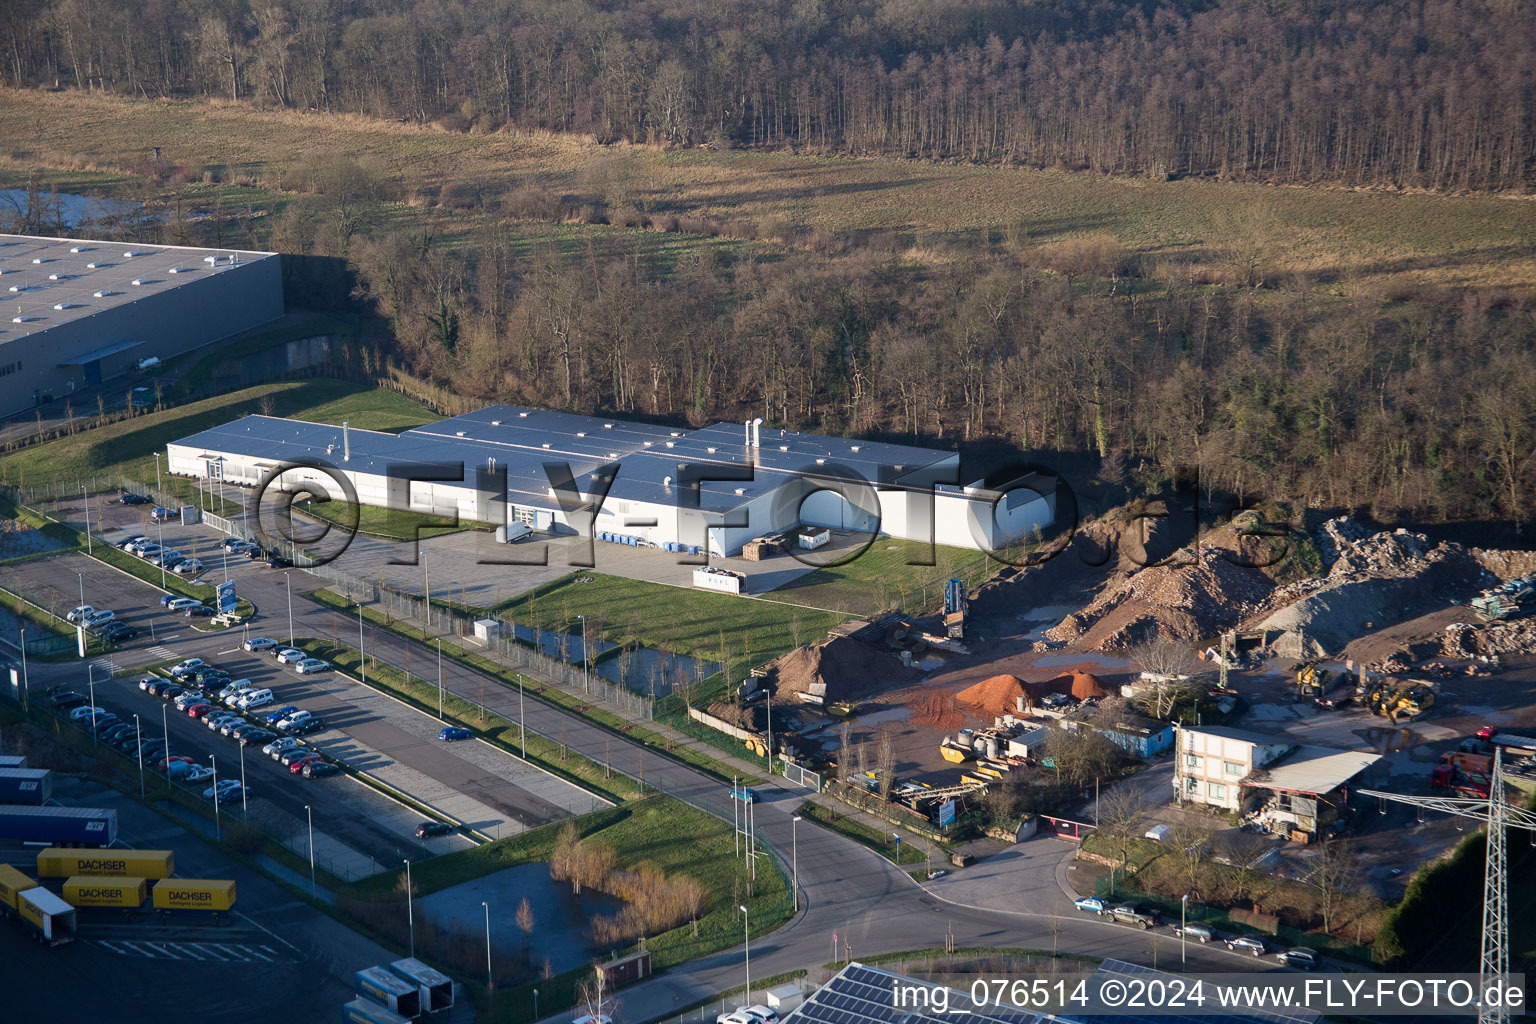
(92, 372)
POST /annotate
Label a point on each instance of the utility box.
(784, 998)
(625, 969)
(723, 580)
(813, 537)
(487, 631)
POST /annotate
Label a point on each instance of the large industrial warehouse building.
(81, 312)
(754, 481)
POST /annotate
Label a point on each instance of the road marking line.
(269, 931)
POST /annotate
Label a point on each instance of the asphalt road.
(848, 891)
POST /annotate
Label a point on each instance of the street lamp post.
(26, 686)
(138, 740)
(584, 659)
(522, 734)
(535, 1004)
(86, 495)
(91, 671)
(410, 911)
(244, 808)
(439, 678)
(157, 474)
(746, 934)
(490, 982)
(218, 830)
(1183, 934)
(288, 582)
(160, 536)
(362, 659)
(311, 816)
(165, 725)
(794, 846)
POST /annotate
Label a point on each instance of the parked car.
(187, 699)
(316, 769)
(295, 755)
(189, 567)
(761, 1012)
(128, 543)
(66, 700)
(254, 553)
(734, 1017)
(201, 773)
(1195, 930)
(293, 718)
(80, 612)
(278, 747)
(119, 632)
(253, 699)
(129, 498)
(173, 759)
(95, 620)
(1090, 905)
(279, 562)
(200, 709)
(1247, 944)
(227, 789)
(449, 733)
(309, 666)
(187, 667)
(182, 603)
(232, 544)
(111, 735)
(160, 514)
(1133, 913)
(290, 654)
(297, 766)
(127, 742)
(165, 556)
(1305, 959)
(233, 687)
(431, 829)
(307, 726)
(743, 794)
(277, 715)
(199, 611)
(243, 728)
(256, 737)
(170, 692)
(232, 725)
(257, 644)
(216, 720)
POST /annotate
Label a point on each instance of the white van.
(79, 613)
(252, 699)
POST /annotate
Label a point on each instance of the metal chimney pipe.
(757, 432)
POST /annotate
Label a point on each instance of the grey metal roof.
(46, 282)
(1312, 769)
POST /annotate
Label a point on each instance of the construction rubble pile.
(1373, 580)
(838, 669)
(1187, 599)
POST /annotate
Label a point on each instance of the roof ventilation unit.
(64, 305)
(79, 248)
(783, 447)
(854, 447)
(607, 426)
(546, 444)
(666, 481)
(210, 259)
(137, 282)
(740, 491)
(495, 423)
(458, 433)
(581, 433)
(522, 415)
(58, 277)
(821, 462)
(710, 450)
(43, 259)
(177, 270)
(103, 294)
(671, 444)
(93, 266)
(130, 254)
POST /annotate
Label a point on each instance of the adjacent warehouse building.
(80, 312)
(714, 489)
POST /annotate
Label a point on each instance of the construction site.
(1263, 698)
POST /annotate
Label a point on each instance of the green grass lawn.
(127, 447)
(900, 854)
(883, 577)
(719, 627)
(390, 523)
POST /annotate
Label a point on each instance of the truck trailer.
(363, 1011)
(12, 884)
(59, 826)
(13, 761)
(388, 990)
(436, 988)
(52, 917)
(106, 891)
(151, 864)
(194, 894)
(25, 786)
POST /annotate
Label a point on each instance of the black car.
(111, 735)
(306, 727)
(320, 769)
(429, 829)
(208, 674)
(278, 562)
(170, 692)
(255, 554)
(118, 632)
(66, 699)
(129, 498)
(199, 611)
(260, 737)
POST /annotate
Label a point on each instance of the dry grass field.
(1350, 240)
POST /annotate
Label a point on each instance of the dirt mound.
(1191, 598)
(995, 696)
(839, 669)
(1506, 565)
(1373, 580)
(742, 717)
(1080, 684)
(935, 707)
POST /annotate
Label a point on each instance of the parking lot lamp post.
(288, 582)
(535, 1004)
(218, 830)
(160, 532)
(746, 934)
(166, 726)
(157, 474)
(1183, 937)
(139, 742)
(95, 727)
(244, 809)
(410, 911)
(439, 677)
(81, 577)
(522, 734)
(26, 687)
(490, 983)
(311, 816)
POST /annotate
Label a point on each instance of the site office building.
(714, 488)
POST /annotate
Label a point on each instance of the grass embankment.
(388, 523)
(127, 447)
(928, 212)
(885, 577)
(900, 854)
(669, 836)
(552, 695)
(418, 693)
(741, 634)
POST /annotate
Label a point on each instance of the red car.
(199, 709)
(298, 766)
(174, 757)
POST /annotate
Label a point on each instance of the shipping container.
(436, 988)
(194, 894)
(52, 917)
(151, 864)
(25, 786)
(361, 1011)
(12, 883)
(59, 826)
(12, 761)
(384, 988)
(105, 891)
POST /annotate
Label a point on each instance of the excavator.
(1397, 699)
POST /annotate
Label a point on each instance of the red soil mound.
(994, 696)
(935, 708)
